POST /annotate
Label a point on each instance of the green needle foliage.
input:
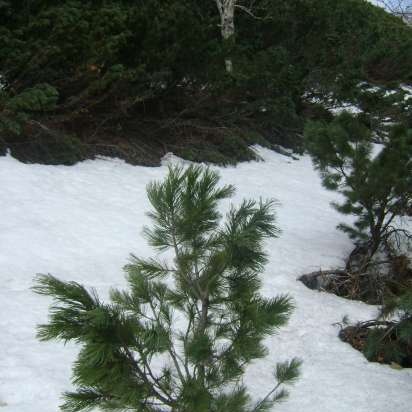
(394, 342)
(376, 188)
(200, 316)
(17, 110)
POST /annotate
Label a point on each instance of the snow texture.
(82, 222)
(408, 91)
(332, 105)
(345, 107)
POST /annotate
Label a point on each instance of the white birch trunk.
(227, 25)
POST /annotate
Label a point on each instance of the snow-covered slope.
(82, 222)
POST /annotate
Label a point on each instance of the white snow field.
(82, 222)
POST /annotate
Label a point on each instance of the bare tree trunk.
(227, 25)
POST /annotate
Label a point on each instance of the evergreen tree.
(376, 188)
(201, 316)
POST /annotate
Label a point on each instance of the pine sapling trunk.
(202, 329)
(379, 233)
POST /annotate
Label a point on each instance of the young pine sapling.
(181, 337)
(376, 184)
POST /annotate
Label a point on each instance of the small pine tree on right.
(375, 181)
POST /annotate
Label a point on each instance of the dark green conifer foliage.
(138, 78)
(376, 187)
(19, 108)
(201, 316)
(394, 342)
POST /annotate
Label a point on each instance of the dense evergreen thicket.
(181, 337)
(139, 78)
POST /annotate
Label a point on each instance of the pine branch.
(151, 385)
